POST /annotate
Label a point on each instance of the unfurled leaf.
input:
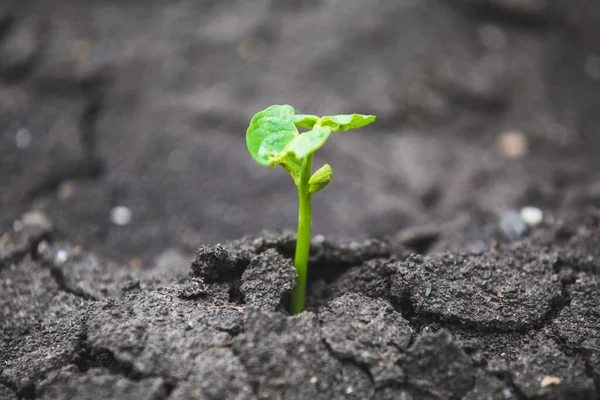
(270, 131)
(307, 142)
(345, 122)
(320, 179)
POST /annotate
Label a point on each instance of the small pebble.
(61, 256)
(549, 380)
(513, 227)
(532, 216)
(314, 379)
(136, 263)
(66, 190)
(121, 215)
(43, 249)
(428, 288)
(23, 138)
(36, 219)
(513, 144)
(17, 225)
(507, 393)
(349, 390)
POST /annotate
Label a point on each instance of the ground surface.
(483, 107)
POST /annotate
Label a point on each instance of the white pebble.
(61, 256)
(121, 215)
(23, 138)
(314, 380)
(513, 144)
(531, 215)
(349, 390)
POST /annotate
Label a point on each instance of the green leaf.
(269, 132)
(345, 122)
(308, 142)
(320, 179)
(305, 120)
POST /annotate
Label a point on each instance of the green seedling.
(273, 139)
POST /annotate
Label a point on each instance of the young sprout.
(273, 139)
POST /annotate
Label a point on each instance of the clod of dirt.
(155, 333)
(97, 383)
(488, 386)
(41, 326)
(84, 274)
(509, 291)
(226, 263)
(437, 368)
(373, 279)
(578, 324)
(213, 262)
(287, 358)
(196, 289)
(219, 374)
(528, 370)
(268, 277)
(368, 332)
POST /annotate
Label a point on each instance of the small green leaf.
(345, 122)
(307, 142)
(305, 120)
(320, 179)
(269, 132)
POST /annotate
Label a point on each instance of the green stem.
(303, 238)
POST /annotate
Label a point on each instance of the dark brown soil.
(483, 107)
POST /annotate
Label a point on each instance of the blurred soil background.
(124, 122)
